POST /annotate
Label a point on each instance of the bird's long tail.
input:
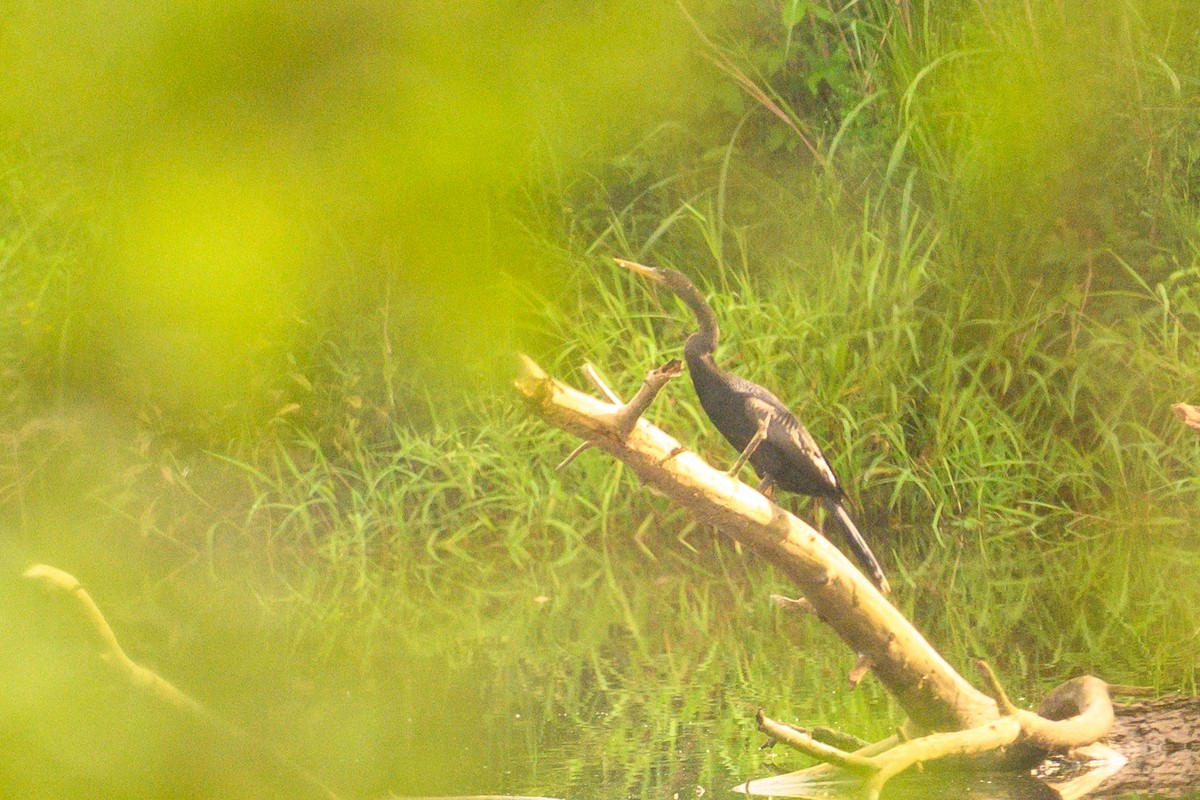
(858, 545)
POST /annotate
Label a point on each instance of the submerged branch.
(108, 648)
(110, 652)
(838, 739)
(805, 743)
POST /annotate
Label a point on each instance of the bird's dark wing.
(790, 437)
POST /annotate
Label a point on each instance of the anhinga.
(754, 421)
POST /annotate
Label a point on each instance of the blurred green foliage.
(262, 264)
(247, 173)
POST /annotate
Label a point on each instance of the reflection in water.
(619, 729)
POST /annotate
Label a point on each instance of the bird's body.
(786, 455)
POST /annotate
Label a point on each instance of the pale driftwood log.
(947, 715)
(929, 690)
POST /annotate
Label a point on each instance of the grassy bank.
(962, 245)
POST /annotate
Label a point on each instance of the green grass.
(982, 300)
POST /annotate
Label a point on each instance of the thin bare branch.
(601, 386)
(755, 441)
(994, 688)
(574, 455)
(110, 651)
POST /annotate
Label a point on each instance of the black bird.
(754, 421)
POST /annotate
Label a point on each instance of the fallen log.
(948, 717)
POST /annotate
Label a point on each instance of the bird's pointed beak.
(641, 269)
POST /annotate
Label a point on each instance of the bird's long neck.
(704, 341)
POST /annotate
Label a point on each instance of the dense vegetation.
(258, 319)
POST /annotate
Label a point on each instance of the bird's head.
(703, 341)
(673, 279)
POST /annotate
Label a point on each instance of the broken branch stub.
(1188, 414)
